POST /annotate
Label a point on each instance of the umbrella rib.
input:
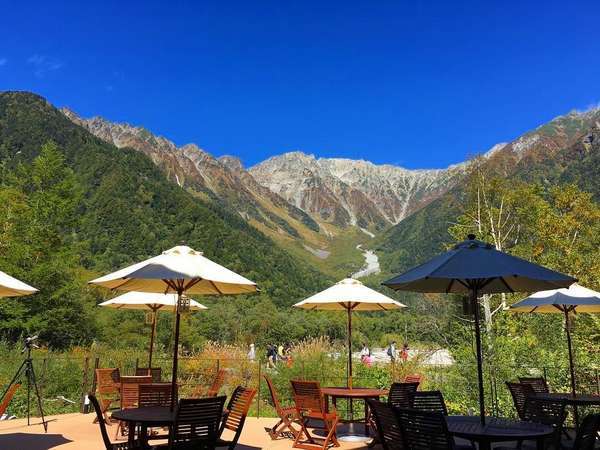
(511, 290)
(215, 286)
(450, 285)
(127, 280)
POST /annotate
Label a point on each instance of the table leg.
(539, 443)
(131, 433)
(484, 445)
(326, 400)
(576, 417)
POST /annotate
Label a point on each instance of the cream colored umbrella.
(574, 299)
(349, 295)
(147, 301)
(180, 270)
(11, 287)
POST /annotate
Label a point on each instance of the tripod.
(26, 368)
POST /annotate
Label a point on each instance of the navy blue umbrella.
(474, 267)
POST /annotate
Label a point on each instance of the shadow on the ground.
(21, 441)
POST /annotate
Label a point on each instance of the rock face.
(223, 179)
(349, 192)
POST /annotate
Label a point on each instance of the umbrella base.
(352, 435)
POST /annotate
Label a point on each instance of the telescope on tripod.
(26, 369)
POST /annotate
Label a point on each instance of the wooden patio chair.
(588, 433)
(287, 416)
(400, 394)
(235, 417)
(310, 404)
(426, 430)
(154, 372)
(197, 423)
(519, 393)
(389, 432)
(107, 390)
(538, 384)
(432, 401)
(156, 394)
(107, 443)
(547, 412)
(130, 394)
(214, 388)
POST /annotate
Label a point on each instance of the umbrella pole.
(175, 354)
(152, 335)
(479, 354)
(349, 381)
(571, 366)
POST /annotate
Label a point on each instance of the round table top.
(579, 399)
(150, 415)
(495, 429)
(345, 392)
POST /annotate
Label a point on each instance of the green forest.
(76, 207)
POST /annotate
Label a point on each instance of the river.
(371, 263)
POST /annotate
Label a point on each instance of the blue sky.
(413, 83)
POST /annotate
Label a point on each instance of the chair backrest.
(217, 384)
(154, 394)
(388, 425)
(154, 372)
(274, 396)
(130, 390)
(538, 384)
(308, 396)
(101, 423)
(198, 420)
(413, 378)
(400, 394)
(432, 401)
(588, 433)
(108, 380)
(519, 393)
(237, 410)
(424, 430)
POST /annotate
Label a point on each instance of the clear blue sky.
(414, 83)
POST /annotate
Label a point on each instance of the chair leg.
(331, 436)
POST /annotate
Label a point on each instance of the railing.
(72, 378)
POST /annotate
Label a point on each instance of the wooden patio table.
(146, 417)
(353, 394)
(497, 430)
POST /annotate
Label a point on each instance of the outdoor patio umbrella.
(180, 270)
(11, 287)
(474, 267)
(575, 299)
(349, 295)
(149, 302)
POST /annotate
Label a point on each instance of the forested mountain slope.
(567, 149)
(131, 211)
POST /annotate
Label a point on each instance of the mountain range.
(320, 209)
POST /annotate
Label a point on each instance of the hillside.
(567, 149)
(131, 211)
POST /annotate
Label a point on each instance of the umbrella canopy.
(180, 270)
(476, 268)
(576, 298)
(349, 295)
(148, 300)
(11, 287)
(152, 302)
(475, 263)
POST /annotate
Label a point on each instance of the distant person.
(365, 353)
(404, 352)
(271, 357)
(252, 353)
(280, 353)
(391, 351)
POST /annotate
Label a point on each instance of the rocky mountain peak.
(232, 163)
